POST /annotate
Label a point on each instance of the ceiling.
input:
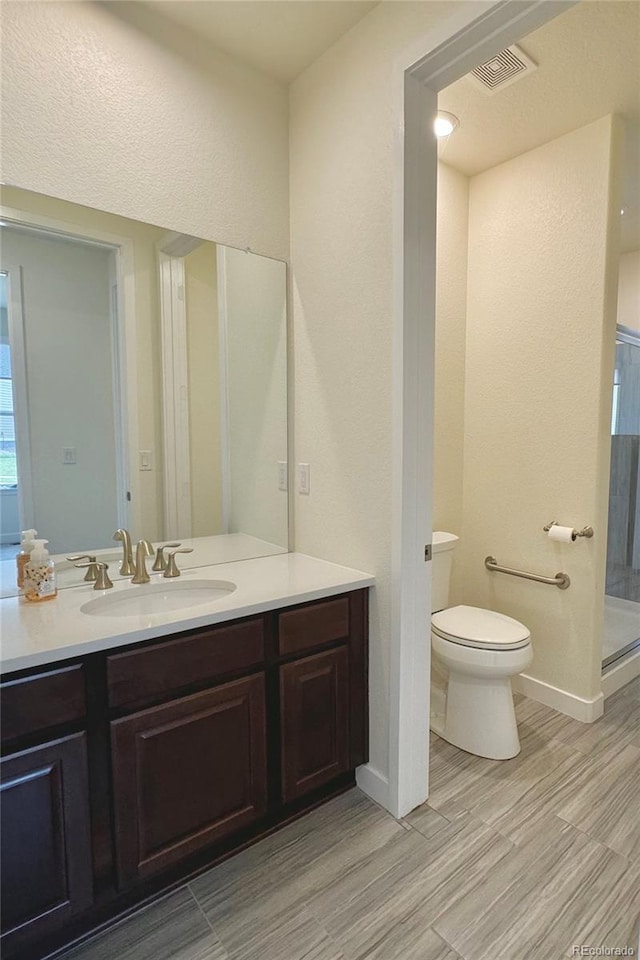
(588, 66)
(279, 37)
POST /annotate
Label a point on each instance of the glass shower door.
(622, 601)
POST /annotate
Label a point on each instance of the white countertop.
(222, 548)
(33, 634)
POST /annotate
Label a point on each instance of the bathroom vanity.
(138, 751)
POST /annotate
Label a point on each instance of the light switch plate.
(304, 478)
(146, 459)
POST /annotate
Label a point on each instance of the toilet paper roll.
(563, 534)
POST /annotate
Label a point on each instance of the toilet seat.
(477, 627)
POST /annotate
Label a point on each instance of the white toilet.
(480, 650)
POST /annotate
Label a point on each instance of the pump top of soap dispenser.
(29, 540)
(39, 554)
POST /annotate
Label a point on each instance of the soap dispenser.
(39, 574)
(22, 558)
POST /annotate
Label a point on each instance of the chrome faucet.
(143, 550)
(126, 567)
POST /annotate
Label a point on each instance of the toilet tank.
(443, 545)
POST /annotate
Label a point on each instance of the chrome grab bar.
(560, 580)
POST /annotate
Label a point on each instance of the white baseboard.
(374, 784)
(618, 675)
(561, 700)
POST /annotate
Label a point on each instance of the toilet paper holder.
(585, 532)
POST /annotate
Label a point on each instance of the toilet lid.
(476, 627)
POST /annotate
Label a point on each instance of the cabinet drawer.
(46, 700)
(314, 624)
(141, 676)
(186, 774)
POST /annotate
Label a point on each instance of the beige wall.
(451, 320)
(539, 360)
(204, 390)
(343, 128)
(108, 105)
(629, 290)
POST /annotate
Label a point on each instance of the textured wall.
(539, 355)
(342, 175)
(108, 106)
(451, 320)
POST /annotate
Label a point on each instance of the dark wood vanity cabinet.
(127, 771)
(314, 707)
(46, 840)
(188, 773)
(45, 837)
(46, 849)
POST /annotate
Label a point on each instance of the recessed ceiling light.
(444, 123)
(622, 213)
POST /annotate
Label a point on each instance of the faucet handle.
(172, 567)
(99, 573)
(91, 573)
(160, 562)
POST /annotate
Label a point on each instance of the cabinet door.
(46, 845)
(314, 697)
(186, 774)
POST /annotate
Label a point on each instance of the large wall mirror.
(144, 385)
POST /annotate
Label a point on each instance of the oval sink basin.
(165, 597)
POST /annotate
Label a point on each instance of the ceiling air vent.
(505, 68)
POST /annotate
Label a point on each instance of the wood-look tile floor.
(511, 860)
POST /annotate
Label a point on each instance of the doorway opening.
(64, 411)
(15, 504)
(466, 41)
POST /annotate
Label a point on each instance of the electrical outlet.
(304, 478)
(282, 475)
(69, 455)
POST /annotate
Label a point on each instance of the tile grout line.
(206, 918)
(585, 833)
(323, 930)
(450, 946)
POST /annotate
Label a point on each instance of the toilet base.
(480, 717)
